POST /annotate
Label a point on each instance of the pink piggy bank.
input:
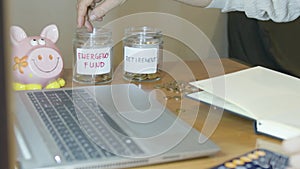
(36, 60)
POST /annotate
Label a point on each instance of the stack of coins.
(142, 77)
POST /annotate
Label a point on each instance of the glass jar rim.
(97, 32)
(141, 30)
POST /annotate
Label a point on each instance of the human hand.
(292, 147)
(88, 10)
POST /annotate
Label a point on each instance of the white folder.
(269, 97)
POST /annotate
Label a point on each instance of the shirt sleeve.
(276, 10)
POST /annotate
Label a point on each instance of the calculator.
(256, 159)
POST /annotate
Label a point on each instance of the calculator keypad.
(256, 159)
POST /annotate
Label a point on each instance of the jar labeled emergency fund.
(142, 53)
(93, 56)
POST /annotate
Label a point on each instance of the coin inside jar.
(142, 77)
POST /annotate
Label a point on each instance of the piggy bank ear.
(17, 34)
(50, 32)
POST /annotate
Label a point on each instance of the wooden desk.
(234, 134)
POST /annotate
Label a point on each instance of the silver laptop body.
(147, 132)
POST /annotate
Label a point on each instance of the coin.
(158, 86)
(180, 110)
(167, 97)
(177, 98)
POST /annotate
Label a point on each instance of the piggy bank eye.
(42, 41)
(34, 42)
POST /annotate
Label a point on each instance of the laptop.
(108, 126)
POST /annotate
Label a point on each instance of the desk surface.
(234, 134)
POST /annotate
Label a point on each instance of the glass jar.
(142, 54)
(93, 56)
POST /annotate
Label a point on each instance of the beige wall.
(33, 15)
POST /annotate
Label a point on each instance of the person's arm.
(200, 3)
(88, 10)
(276, 10)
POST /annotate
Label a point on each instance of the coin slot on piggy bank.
(36, 60)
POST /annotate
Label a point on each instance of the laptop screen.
(6, 141)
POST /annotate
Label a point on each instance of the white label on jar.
(140, 60)
(93, 61)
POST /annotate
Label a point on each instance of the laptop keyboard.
(80, 127)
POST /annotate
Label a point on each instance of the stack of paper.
(269, 97)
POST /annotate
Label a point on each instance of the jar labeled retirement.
(93, 56)
(142, 54)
